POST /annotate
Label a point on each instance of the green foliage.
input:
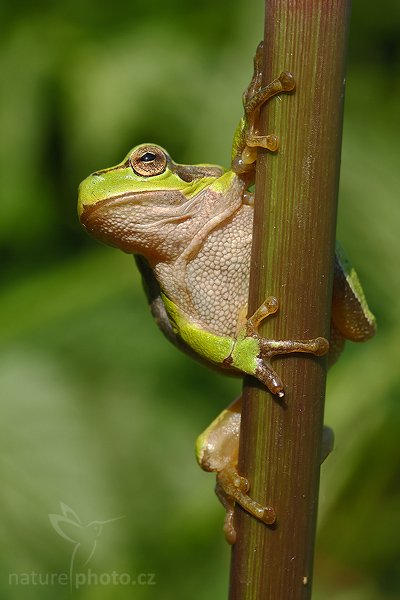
(98, 411)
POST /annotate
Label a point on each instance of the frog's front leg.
(217, 450)
(247, 352)
(267, 348)
(247, 137)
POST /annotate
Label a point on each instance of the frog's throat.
(98, 219)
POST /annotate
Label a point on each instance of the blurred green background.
(98, 411)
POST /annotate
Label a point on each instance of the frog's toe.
(240, 483)
(287, 81)
(229, 528)
(232, 487)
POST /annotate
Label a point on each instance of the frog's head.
(146, 202)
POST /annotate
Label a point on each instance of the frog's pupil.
(148, 157)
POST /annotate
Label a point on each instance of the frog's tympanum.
(190, 229)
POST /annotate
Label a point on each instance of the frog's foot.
(231, 488)
(270, 348)
(245, 147)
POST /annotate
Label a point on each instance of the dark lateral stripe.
(89, 209)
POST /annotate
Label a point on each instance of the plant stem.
(293, 249)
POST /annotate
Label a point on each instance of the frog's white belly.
(217, 278)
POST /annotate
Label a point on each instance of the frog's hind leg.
(231, 488)
(217, 450)
(351, 316)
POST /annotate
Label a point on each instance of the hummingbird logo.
(83, 536)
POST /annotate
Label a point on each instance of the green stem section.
(294, 235)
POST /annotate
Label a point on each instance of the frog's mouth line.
(172, 199)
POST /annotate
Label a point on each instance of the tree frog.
(190, 230)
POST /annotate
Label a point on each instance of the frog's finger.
(284, 83)
(269, 348)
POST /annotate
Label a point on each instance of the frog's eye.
(148, 161)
